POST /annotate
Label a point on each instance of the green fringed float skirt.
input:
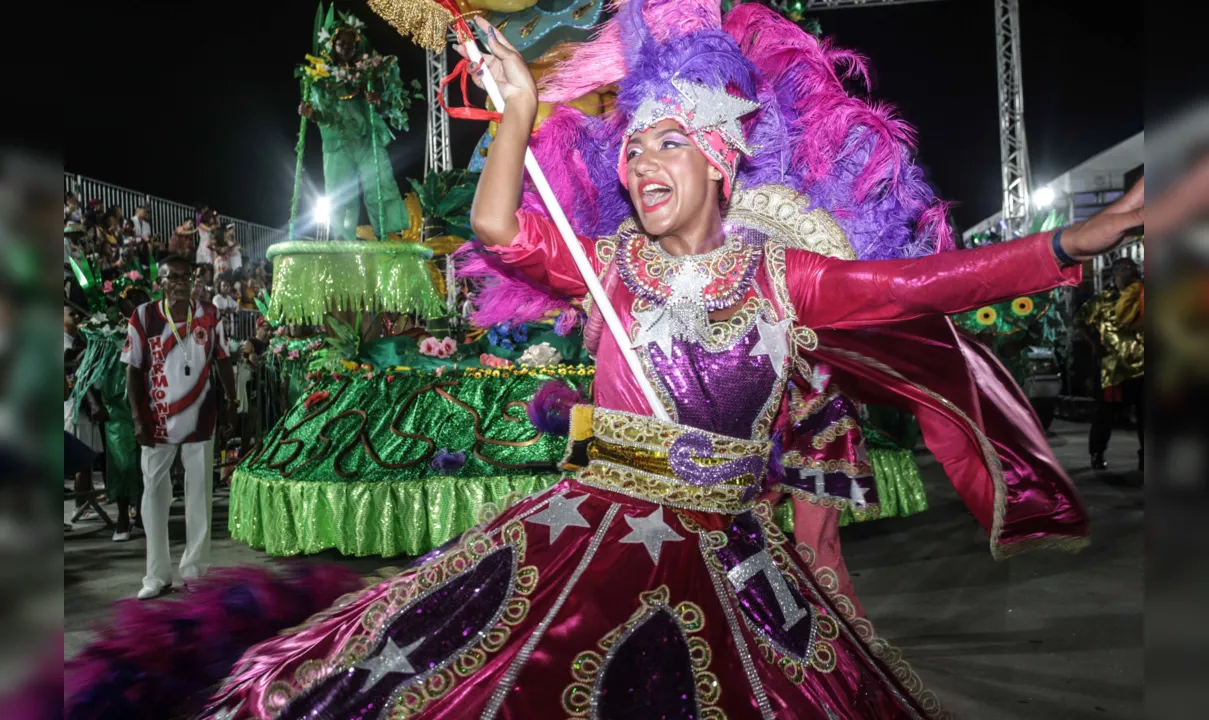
(351, 466)
(311, 279)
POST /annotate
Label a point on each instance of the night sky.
(200, 101)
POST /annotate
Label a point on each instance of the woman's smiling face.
(670, 182)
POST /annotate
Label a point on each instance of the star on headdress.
(716, 109)
(650, 111)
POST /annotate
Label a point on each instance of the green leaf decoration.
(318, 27)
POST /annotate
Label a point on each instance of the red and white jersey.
(182, 406)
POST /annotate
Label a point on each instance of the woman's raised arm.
(498, 197)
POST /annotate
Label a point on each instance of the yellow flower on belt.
(318, 67)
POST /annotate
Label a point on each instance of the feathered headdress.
(848, 155)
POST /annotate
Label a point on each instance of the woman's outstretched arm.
(828, 292)
(498, 197)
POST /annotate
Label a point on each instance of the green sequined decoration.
(350, 466)
(311, 279)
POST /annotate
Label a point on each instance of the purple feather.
(550, 408)
(447, 463)
(161, 659)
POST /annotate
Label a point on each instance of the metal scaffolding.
(1013, 146)
(436, 152)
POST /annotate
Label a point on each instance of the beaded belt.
(672, 464)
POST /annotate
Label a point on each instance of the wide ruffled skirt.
(579, 602)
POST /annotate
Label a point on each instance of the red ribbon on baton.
(461, 71)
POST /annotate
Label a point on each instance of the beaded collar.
(647, 269)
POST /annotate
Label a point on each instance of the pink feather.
(812, 72)
(501, 295)
(601, 61)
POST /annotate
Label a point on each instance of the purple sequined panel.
(444, 622)
(765, 613)
(650, 674)
(834, 484)
(826, 416)
(720, 392)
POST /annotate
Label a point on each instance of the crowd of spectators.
(114, 243)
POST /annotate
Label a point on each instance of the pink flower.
(280, 330)
(431, 347)
(134, 275)
(493, 361)
(390, 378)
(293, 355)
(450, 345)
(107, 287)
(440, 371)
(278, 349)
(376, 61)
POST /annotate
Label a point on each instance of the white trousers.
(198, 459)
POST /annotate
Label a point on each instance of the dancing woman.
(650, 583)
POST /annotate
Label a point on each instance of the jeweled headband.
(710, 117)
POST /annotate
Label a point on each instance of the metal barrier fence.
(167, 215)
(240, 325)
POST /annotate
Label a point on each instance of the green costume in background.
(102, 368)
(355, 130)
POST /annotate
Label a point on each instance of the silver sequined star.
(390, 659)
(227, 713)
(774, 342)
(560, 514)
(715, 108)
(857, 496)
(650, 531)
(819, 376)
(678, 317)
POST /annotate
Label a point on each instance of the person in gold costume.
(1113, 319)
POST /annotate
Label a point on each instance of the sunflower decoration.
(986, 316)
(1022, 306)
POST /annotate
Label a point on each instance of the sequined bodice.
(722, 392)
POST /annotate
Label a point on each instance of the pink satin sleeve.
(539, 252)
(835, 293)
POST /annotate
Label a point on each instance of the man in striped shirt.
(173, 346)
